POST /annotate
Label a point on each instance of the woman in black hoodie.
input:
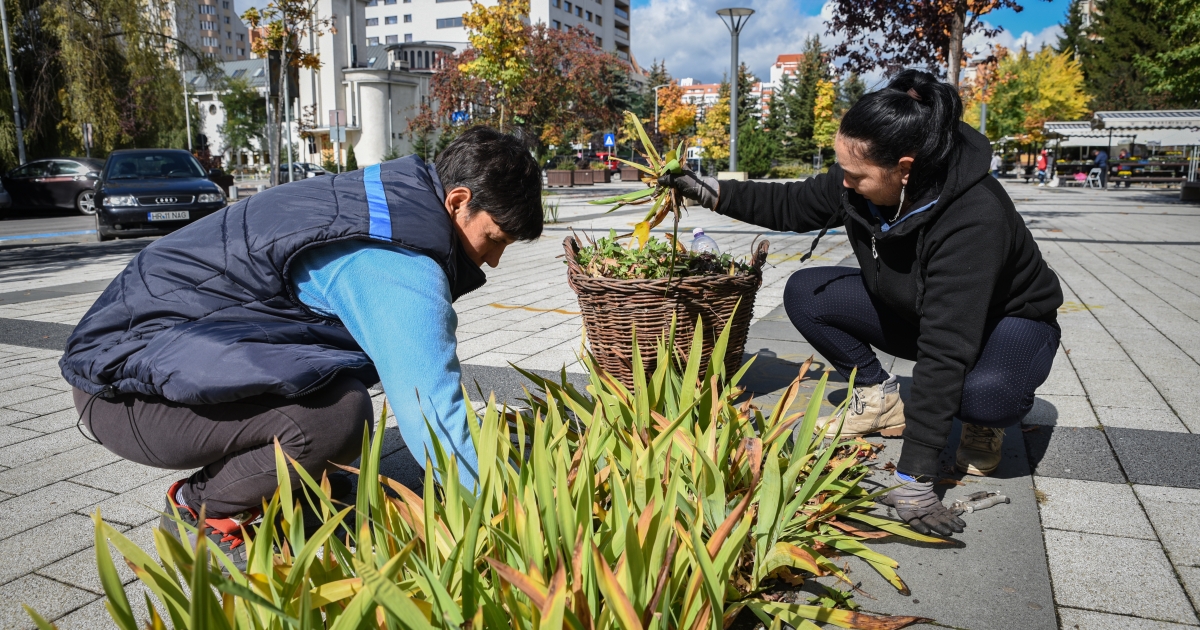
(949, 277)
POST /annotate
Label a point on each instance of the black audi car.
(148, 192)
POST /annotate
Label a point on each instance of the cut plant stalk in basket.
(662, 198)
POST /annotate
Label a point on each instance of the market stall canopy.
(1163, 128)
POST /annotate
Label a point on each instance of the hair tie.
(913, 93)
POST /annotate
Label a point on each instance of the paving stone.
(48, 598)
(1075, 619)
(79, 569)
(1191, 582)
(1134, 418)
(57, 467)
(51, 422)
(50, 404)
(1093, 507)
(10, 416)
(1072, 453)
(47, 543)
(41, 447)
(134, 507)
(17, 396)
(1095, 572)
(1175, 513)
(1155, 458)
(31, 509)
(1065, 411)
(1132, 394)
(123, 475)
(13, 434)
(94, 616)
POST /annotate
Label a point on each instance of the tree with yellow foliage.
(498, 36)
(824, 124)
(1030, 90)
(675, 118)
(713, 132)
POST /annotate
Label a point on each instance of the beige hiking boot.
(978, 450)
(872, 409)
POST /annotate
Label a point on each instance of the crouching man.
(269, 320)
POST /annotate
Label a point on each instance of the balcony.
(621, 13)
(621, 35)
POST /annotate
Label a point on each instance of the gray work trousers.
(233, 443)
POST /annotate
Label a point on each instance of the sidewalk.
(1103, 531)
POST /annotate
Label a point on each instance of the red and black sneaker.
(226, 532)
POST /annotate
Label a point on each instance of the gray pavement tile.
(1072, 453)
(41, 447)
(1093, 507)
(10, 416)
(79, 569)
(1063, 411)
(17, 396)
(1128, 393)
(1001, 550)
(12, 435)
(23, 380)
(94, 616)
(135, 507)
(25, 511)
(50, 404)
(1075, 619)
(35, 548)
(51, 422)
(1175, 513)
(55, 468)
(1132, 418)
(124, 475)
(1096, 572)
(1191, 582)
(49, 598)
(1156, 458)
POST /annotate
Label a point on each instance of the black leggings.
(832, 309)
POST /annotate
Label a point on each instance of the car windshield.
(153, 165)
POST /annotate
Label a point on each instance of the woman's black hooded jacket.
(951, 270)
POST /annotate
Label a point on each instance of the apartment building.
(440, 21)
(213, 27)
(703, 95)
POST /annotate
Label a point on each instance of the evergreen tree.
(1176, 70)
(754, 144)
(1124, 31)
(813, 68)
(775, 122)
(351, 161)
(1074, 38)
(848, 92)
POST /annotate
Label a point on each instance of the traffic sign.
(460, 116)
(610, 140)
(337, 125)
(87, 135)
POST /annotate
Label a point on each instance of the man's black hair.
(502, 176)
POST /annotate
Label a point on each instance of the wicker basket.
(613, 309)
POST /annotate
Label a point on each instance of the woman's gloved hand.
(917, 505)
(702, 190)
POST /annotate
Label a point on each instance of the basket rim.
(576, 273)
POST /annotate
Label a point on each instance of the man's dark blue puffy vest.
(208, 314)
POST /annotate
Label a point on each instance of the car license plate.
(177, 215)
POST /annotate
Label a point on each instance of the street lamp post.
(12, 85)
(656, 89)
(734, 19)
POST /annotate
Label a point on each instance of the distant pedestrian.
(1042, 163)
(997, 164)
(1100, 157)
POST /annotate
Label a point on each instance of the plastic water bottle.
(702, 242)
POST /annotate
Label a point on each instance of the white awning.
(1164, 128)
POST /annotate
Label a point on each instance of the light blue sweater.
(396, 304)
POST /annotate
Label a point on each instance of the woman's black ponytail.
(914, 115)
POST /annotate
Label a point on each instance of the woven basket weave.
(613, 309)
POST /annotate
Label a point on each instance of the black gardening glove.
(702, 190)
(917, 505)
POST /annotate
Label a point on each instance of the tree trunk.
(954, 59)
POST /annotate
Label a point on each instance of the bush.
(666, 506)
(351, 162)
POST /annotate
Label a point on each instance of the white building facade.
(440, 21)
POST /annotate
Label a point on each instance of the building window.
(208, 26)
(454, 22)
(389, 1)
(568, 7)
(209, 41)
(228, 35)
(392, 39)
(241, 52)
(589, 16)
(208, 9)
(229, 50)
(408, 18)
(391, 19)
(372, 41)
(600, 42)
(556, 24)
(225, 4)
(226, 19)
(237, 74)
(372, 21)
(578, 11)
(241, 37)
(373, 3)
(599, 20)
(408, 37)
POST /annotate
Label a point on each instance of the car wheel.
(85, 202)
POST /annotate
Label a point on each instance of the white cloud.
(694, 42)
(1033, 41)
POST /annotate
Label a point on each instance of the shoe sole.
(972, 470)
(895, 431)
